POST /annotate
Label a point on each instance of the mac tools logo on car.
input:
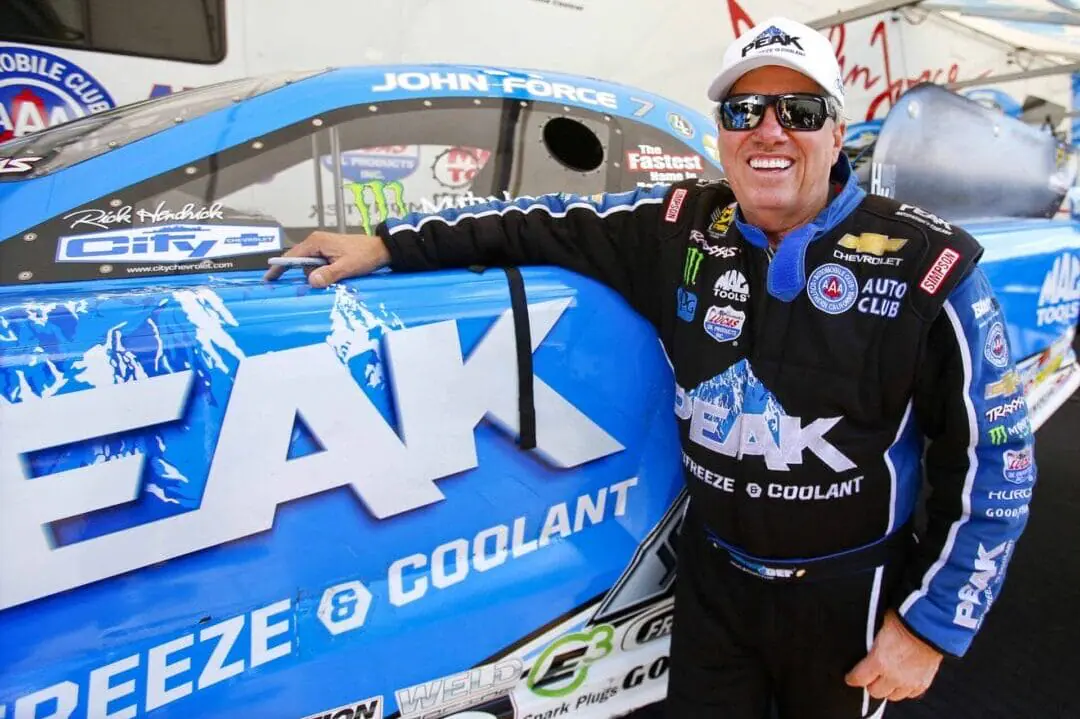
(39, 90)
(1059, 299)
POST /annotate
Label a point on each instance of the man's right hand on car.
(348, 256)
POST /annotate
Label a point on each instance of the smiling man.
(831, 351)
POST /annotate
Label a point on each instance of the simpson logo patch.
(675, 205)
(941, 268)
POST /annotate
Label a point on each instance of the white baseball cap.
(779, 41)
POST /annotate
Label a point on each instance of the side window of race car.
(651, 156)
(233, 209)
(453, 156)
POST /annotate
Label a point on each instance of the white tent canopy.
(1048, 30)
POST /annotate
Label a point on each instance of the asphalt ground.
(1025, 662)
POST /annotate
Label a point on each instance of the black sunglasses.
(794, 111)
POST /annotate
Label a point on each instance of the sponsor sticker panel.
(226, 647)
(168, 243)
(662, 166)
(1059, 296)
(14, 166)
(39, 89)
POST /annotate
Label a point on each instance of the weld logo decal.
(458, 692)
(39, 90)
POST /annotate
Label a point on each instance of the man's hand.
(899, 665)
(348, 255)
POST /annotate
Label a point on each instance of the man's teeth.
(771, 163)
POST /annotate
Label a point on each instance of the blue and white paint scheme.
(221, 495)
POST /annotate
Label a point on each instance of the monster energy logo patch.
(377, 201)
(693, 264)
(998, 435)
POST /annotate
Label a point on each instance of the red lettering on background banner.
(740, 21)
(862, 77)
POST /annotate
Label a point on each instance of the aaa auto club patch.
(39, 90)
(832, 289)
(996, 349)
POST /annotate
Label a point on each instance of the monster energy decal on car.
(377, 201)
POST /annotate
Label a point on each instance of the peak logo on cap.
(773, 35)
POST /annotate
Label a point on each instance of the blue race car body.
(219, 495)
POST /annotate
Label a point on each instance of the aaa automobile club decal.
(39, 90)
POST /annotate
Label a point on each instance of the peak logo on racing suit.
(735, 415)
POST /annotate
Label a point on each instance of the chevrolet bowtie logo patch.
(872, 243)
(1007, 385)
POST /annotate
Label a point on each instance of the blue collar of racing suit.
(787, 271)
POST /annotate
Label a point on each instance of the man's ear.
(838, 138)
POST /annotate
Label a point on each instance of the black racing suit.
(809, 386)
